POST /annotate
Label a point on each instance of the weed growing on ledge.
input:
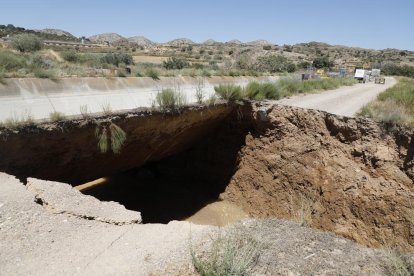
(235, 252)
(116, 136)
(56, 116)
(229, 92)
(397, 263)
(170, 99)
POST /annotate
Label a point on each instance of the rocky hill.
(211, 42)
(180, 42)
(57, 32)
(141, 41)
(260, 42)
(234, 42)
(109, 37)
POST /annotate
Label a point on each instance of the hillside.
(46, 34)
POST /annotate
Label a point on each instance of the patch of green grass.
(45, 74)
(261, 91)
(102, 136)
(235, 252)
(229, 92)
(113, 134)
(396, 104)
(152, 73)
(118, 138)
(170, 99)
(56, 116)
(289, 86)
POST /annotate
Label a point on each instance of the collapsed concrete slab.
(60, 198)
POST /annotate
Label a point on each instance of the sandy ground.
(344, 101)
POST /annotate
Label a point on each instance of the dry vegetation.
(396, 104)
(125, 57)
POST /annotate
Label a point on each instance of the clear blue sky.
(364, 23)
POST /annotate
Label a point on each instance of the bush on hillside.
(10, 61)
(229, 92)
(26, 43)
(117, 58)
(322, 62)
(175, 63)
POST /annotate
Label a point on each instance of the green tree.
(322, 62)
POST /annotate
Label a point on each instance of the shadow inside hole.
(179, 186)
(159, 199)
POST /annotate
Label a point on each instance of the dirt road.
(345, 101)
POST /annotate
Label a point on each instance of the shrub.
(322, 62)
(152, 73)
(170, 99)
(118, 138)
(40, 62)
(175, 63)
(70, 56)
(117, 58)
(26, 43)
(10, 61)
(258, 91)
(272, 64)
(396, 104)
(45, 74)
(229, 92)
(56, 116)
(267, 47)
(200, 91)
(116, 135)
(234, 253)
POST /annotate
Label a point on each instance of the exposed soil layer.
(350, 176)
(67, 151)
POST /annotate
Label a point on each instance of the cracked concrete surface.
(34, 241)
(60, 198)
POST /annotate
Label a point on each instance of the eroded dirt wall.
(350, 176)
(68, 151)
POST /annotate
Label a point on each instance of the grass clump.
(396, 104)
(229, 92)
(110, 136)
(10, 61)
(15, 121)
(170, 99)
(152, 73)
(396, 263)
(118, 137)
(235, 252)
(261, 91)
(56, 116)
(45, 74)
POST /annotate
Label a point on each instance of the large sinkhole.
(350, 176)
(185, 186)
